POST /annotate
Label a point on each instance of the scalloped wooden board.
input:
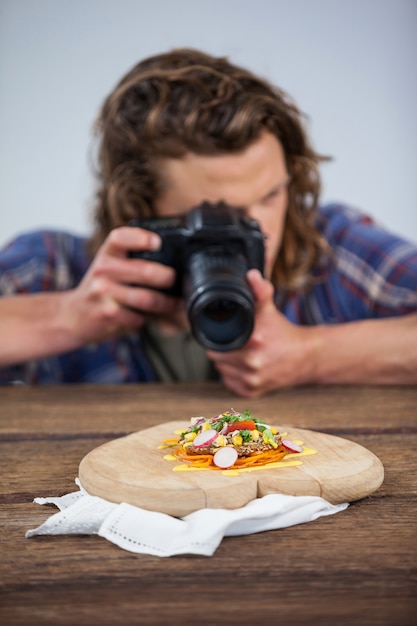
(132, 469)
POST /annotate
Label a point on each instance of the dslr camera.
(211, 248)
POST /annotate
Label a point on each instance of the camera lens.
(222, 323)
(219, 302)
(221, 310)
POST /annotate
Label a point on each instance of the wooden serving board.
(133, 469)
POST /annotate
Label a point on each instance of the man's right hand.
(34, 326)
(118, 293)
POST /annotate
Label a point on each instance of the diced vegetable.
(269, 438)
(243, 425)
(254, 435)
(195, 421)
(247, 435)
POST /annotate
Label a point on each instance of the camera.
(211, 248)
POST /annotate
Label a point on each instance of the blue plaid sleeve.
(42, 261)
(373, 274)
(55, 261)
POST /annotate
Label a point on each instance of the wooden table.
(356, 567)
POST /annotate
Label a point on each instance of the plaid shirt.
(373, 274)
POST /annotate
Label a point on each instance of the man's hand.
(278, 353)
(39, 325)
(281, 354)
(108, 301)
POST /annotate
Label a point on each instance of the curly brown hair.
(186, 101)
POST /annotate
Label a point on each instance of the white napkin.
(201, 532)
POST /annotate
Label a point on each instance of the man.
(338, 299)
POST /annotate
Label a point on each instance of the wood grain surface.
(356, 567)
(132, 469)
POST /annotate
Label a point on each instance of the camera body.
(211, 248)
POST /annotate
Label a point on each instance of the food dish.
(231, 440)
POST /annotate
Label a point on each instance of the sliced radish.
(205, 438)
(290, 445)
(225, 457)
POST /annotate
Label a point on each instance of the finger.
(134, 271)
(222, 359)
(124, 321)
(239, 386)
(109, 319)
(248, 370)
(129, 320)
(148, 301)
(121, 240)
(262, 288)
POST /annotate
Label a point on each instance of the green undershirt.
(176, 357)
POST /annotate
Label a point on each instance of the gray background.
(350, 65)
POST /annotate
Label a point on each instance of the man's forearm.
(32, 327)
(382, 351)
